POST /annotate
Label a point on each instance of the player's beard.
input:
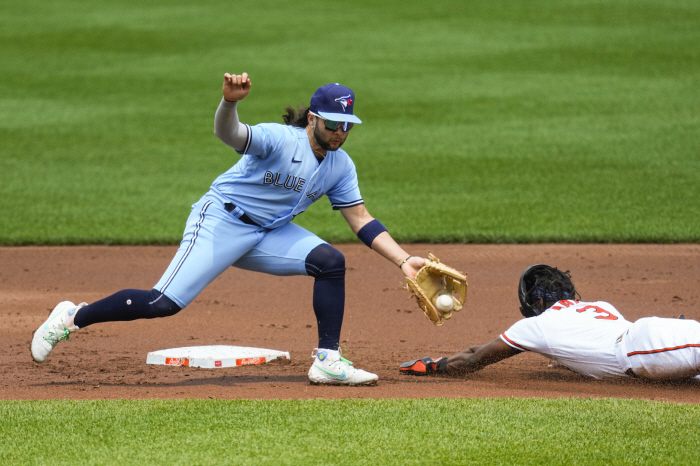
(321, 141)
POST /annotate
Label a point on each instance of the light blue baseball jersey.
(279, 177)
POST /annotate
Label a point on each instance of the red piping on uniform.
(512, 342)
(633, 353)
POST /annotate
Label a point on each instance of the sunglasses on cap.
(334, 125)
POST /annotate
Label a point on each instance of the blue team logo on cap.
(345, 101)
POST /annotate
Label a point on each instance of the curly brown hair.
(296, 117)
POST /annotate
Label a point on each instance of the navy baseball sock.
(327, 265)
(127, 305)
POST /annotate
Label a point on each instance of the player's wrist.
(403, 262)
(442, 365)
(230, 101)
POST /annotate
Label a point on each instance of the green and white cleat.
(330, 368)
(56, 328)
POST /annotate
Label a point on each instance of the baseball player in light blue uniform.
(244, 220)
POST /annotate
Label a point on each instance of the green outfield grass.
(491, 121)
(386, 432)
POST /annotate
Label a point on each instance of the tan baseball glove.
(436, 279)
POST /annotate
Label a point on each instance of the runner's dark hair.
(557, 282)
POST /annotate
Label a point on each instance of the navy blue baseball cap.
(334, 102)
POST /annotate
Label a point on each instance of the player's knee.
(334, 260)
(325, 261)
(162, 306)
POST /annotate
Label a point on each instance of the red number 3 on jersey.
(599, 310)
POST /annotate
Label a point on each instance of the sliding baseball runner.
(590, 338)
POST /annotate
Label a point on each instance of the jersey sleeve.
(264, 139)
(525, 335)
(346, 192)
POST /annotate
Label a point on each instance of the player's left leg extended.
(206, 250)
(292, 250)
(121, 306)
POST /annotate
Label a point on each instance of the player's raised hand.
(236, 86)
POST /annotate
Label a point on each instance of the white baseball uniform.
(594, 339)
(657, 348)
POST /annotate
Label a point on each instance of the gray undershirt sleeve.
(228, 128)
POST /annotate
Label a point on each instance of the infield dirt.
(382, 328)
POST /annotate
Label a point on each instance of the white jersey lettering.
(278, 176)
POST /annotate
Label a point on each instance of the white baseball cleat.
(330, 368)
(56, 328)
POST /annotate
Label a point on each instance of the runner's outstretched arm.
(477, 357)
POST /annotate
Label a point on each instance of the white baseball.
(444, 303)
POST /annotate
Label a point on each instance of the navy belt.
(243, 218)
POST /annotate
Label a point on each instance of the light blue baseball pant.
(215, 239)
